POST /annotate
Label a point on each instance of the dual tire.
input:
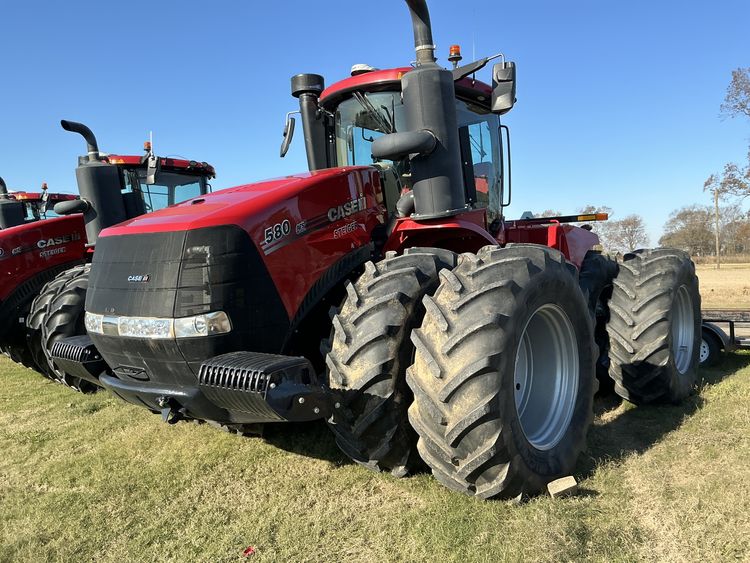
(486, 369)
(59, 312)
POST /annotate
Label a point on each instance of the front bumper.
(234, 388)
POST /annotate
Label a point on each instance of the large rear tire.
(368, 354)
(503, 377)
(655, 326)
(36, 317)
(65, 317)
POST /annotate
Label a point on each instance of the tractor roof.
(177, 164)
(390, 79)
(37, 196)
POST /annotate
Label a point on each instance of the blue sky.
(618, 102)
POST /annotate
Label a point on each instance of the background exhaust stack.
(3, 189)
(99, 186)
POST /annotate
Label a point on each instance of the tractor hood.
(251, 206)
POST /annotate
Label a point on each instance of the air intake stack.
(99, 185)
(432, 128)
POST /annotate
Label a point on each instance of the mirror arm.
(471, 68)
(288, 133)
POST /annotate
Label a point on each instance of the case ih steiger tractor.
(53, 259)
(33, 248)
(448, 334)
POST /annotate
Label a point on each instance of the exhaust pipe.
(91, 145)
(3, 189)
(430, 110)
(99, 185)
(420, 21)
(307, 88)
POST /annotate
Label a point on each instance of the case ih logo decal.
(349, 208)
(65, 239)
(280, 234)
(139, 278)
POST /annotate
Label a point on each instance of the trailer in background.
(723, 330)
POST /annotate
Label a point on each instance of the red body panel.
(463, 233)
(27, 250)
(573, 242)
(314, 242)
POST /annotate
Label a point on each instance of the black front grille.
(181, 274)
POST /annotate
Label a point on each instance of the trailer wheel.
(597, 273)
(369, 351)
(655, 326)
(64, 318)
(503, 377)
(35, 320)
(710, 349)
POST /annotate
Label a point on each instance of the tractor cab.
(20, 207)
(115, 188)
(356, 111)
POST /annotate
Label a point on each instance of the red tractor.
(35, 245)
(46, 262)
(449, 334)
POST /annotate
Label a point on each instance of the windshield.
(169, 187)
(362, 119)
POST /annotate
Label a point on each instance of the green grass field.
(91, 478)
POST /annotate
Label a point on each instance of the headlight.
(155, 328)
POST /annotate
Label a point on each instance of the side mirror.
(288, 134)
(503, 87)
(72, 206)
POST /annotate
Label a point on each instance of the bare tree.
(734, 180)
(601, 228)
(548, 213)
(627, 234)
(737, 100)
(689, 229)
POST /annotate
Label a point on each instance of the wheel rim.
(683, 330)
(704, 351)
(546, 376)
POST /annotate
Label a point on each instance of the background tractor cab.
(19, 207)
(115, 188)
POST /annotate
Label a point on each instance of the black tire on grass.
(35, 320)
(472, 432)
(65, 317)
(369, 351)
(655, 326)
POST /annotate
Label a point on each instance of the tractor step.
(77, 356)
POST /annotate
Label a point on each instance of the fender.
(466, 232)
(720, 334)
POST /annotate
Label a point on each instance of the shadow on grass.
(311, 439)
(638, 428)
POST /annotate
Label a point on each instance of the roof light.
(454, 54)
(147, 146)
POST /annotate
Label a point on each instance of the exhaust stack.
(430, 109)
(3, 189)
(99, 186)
(307, 88)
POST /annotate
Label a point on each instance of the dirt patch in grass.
(728, 287)
(91, 478)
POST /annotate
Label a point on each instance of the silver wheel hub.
(704, 352)
(683, 330)
(546, 376)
